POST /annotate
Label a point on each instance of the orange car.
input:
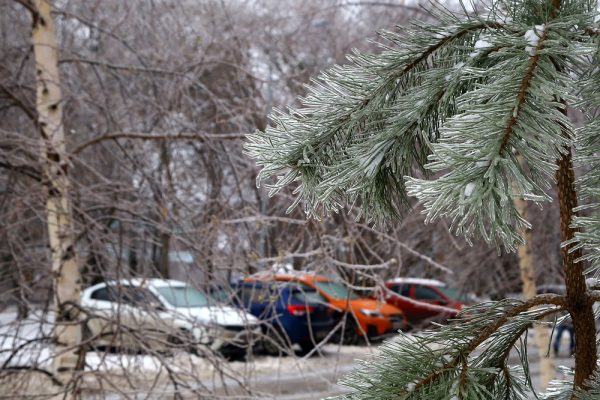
(365, 316)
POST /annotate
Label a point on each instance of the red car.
(425, 300)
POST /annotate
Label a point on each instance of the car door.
(425, 295)
(101, 312)
(255, 299)
(313, 309)
(147, 326)
(109, 315)
(404, 303)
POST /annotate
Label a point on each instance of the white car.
(157, 314)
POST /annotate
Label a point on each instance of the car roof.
(418, 281)
(550, 288)
(143, 282)
(299, 276)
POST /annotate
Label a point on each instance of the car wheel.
(351, 333)
(307, 345)
(86, 338)
(273, 343)
(183, 340)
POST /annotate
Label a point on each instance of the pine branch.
(462, 101)
(587, 238)
(523, 91)
(493, 328)
(481, 158)
(349, 106)
(446, 355)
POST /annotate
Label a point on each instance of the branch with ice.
(469, 189)
(370, 162)
(481, 44)
(532, 37)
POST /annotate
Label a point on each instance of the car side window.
(305, 294)
(103, 294)
(140, 297)
(253, 294)
(425, 293)
(402, 290)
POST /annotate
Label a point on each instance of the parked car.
(552, 289)
(158, 314)
(365, 317)
(292, 314)
(561, 289)
(425, 300)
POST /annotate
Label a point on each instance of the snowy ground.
(267, 377)
(115, 376)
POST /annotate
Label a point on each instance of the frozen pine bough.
(467, 114)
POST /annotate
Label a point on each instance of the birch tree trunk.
(527, 269)
(65, 271)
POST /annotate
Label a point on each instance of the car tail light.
(298, 310)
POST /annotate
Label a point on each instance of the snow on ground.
(289, 377)
(27, 343)
(114, 375)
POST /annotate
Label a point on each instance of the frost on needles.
(465, 113)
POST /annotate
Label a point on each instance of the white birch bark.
(527, 269)
(65, 271)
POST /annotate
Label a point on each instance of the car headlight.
(371, 313)
(198, 333)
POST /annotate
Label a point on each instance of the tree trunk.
(165, 248)
(132, 261)
(579, 303)
(527, 269)
(23, 282)
(65, 272)
(163, 264)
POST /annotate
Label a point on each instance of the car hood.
(217, 315)
(368, 304)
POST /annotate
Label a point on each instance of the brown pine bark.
(65, 271)
(579, 303)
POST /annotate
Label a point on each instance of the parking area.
(115, 375)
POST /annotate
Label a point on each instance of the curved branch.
(523, 89)
(28, 4)
(30, 112)
(408, 68)
(594, 295)
(147, 136)
(428, 52)
(457, 35)
(412, 251)
(538, 300)
(18, 368)
(26, 170)
(15, 350)
(417, 9)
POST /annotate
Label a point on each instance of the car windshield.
(183, 296)
(306, 294)
(336, 290)
(221, 294)
(455, 294)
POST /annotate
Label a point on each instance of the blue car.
(292, 313)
